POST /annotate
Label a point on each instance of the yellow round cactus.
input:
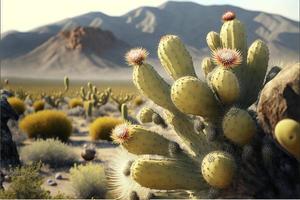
(17, 104)
(102, 128)
(287, 133)
(47, 124)
(38, 105)
(75, 102)
(218, 169)
(238, 126)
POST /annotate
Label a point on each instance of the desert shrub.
(17, 104)
(75, 102)
(50, 151)
(88, 181)
(25, 184)
(47, 124)
(38, 105)
(101, 128)
(138, 101)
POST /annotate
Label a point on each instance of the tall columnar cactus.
(66, 83)
(229, 156)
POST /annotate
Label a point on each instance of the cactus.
(138, 140)
(173, 174)
(213, 40)
(145, 115)
(226, 156)
(174, 57)
(238, 126)
(121, 99)
(207, 66)
(287, 133)
(226, 85)
(218, 169)
(192, 96)
(66, 83)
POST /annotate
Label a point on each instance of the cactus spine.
(287, 133)
(174, 57)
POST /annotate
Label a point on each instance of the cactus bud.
(228, 16)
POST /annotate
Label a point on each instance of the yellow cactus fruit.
(238, 126)
(145, 115)
(138, 140)
(226, 85)
(174, 57)
(287, 133)
(218, 169)
(166, 174)
(193, 96)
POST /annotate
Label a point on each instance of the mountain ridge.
(145, 25)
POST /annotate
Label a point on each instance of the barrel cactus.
(229, 156)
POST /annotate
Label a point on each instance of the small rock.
(58, 176)
(51, 182)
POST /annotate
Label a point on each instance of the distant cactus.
(121, 99)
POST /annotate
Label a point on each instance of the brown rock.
(90, 38)
(280, 98)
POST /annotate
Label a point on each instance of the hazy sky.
(24, 15)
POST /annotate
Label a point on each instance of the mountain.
(144, 27)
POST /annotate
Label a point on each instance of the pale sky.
(24, 15)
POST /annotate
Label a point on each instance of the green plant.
(25, 184)
(17, 104)
(101, 128)
(88, 181)
(226, 154)
(50, 151)
(47, 124)
(75, 102)
(38, 105)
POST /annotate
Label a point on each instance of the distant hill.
(44, 48)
